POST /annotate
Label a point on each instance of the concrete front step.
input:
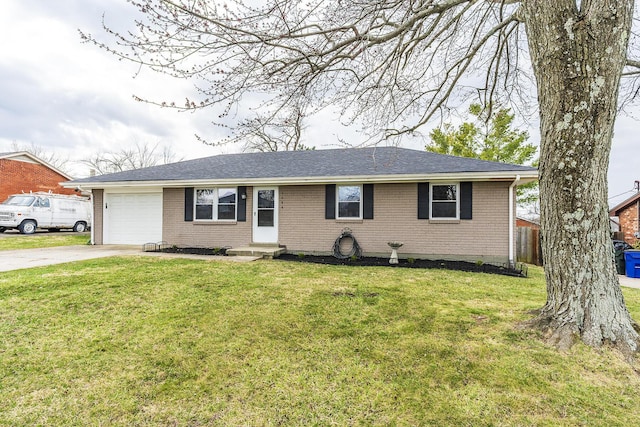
(261, 251)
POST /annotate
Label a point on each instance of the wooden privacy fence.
(528, 247)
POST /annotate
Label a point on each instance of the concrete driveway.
(27, 258)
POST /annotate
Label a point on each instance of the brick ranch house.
(439, 206)
(628, 214)
(22, 172)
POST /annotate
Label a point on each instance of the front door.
(265, 214)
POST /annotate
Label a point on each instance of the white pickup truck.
(29, 211)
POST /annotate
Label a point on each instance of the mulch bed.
(520, 271)
(193, 251)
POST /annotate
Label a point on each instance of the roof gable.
(625, 204)
(25, 156)
(21, 157)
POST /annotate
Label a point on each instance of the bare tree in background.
(51, 157)
(134, 157)
(393, 65)
(283, 133)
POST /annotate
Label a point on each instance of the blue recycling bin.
(632, 261)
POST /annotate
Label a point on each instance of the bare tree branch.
(53, 158)
(412, 57)
(134, 157)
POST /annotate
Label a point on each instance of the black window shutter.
(188, 204)
(367, 201)
(466, 200)
(423, 200)
(242, 204)
(330, 201)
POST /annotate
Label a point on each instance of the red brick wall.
(17, 177)
(629, 222)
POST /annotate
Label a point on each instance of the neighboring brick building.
(23, 172)
(628, 213)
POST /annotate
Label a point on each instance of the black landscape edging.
(416, 263)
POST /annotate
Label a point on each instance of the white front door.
(265, 214)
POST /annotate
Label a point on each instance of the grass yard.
(147, 341)
(43, 240)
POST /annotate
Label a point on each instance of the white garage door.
(132, 218)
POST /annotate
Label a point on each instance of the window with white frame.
(216, 204)
(349, 201)
(444, 201)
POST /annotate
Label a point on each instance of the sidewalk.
(629, 282)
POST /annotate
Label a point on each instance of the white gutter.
(512, 258)
(387, 179)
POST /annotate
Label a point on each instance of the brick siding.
(177, 231)
(629, 222)
(19, 176)
(303, 227)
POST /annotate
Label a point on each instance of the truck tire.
(80, 227)
(2, 229)
(27, 227)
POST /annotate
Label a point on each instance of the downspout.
(636, 186)
(93, 207)
(512, 221)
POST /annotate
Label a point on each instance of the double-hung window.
(445, 201)
(216, 204)
(349, 201)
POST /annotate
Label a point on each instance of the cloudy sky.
(77, 100)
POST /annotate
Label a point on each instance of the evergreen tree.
(489, 137)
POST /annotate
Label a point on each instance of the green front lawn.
(43, 240)
(148, 341)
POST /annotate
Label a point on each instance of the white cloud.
(624, 163)
(63, 95)
(76, 99)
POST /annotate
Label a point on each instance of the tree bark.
(578, 55)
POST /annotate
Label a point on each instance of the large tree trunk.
(578, 57)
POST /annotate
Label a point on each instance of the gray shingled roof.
(365, 162)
